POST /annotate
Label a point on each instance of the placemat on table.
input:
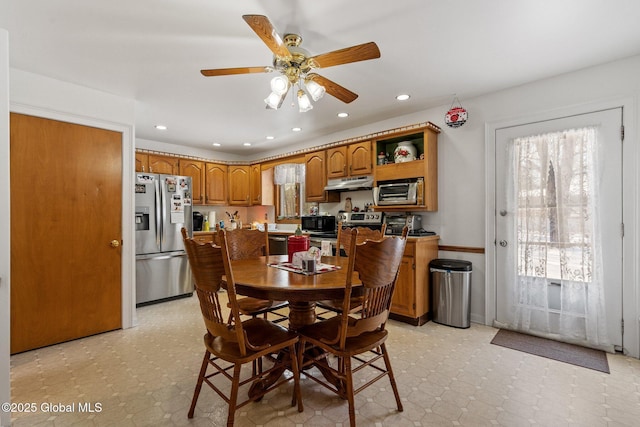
(320, 268)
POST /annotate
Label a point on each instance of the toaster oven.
(396, 194)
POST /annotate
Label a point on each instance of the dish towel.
(326, 249)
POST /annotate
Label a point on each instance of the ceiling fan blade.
(361, 52)
(334, 89)
(267, 32)
(238, 70)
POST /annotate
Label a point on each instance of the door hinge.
(622, 326)
(622, 132)
(622, 229)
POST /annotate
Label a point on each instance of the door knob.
(503, 243)
(503, 212)
(115, 243)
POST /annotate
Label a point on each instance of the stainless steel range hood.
(350, 184)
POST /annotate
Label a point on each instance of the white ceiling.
(152, 51)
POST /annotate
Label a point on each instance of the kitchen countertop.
(289, 233)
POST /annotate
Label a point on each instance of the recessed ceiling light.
(342, 115)
(402, 97)
(247, 144)
(296, 129)
(216, 144)
(161, 127)
(270, 137)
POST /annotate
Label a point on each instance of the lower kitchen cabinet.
(410, 302)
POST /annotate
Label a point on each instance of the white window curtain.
(558, 281)
(289, 178)
(288, 173)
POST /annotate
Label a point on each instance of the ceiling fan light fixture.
(315, 89)
(304, 103)
(280, 85)
(274, 101)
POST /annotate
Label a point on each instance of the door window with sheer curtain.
(551, 235)
(558, 241)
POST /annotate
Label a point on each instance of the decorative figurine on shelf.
(405, 152)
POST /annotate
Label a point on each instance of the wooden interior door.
(66, 210)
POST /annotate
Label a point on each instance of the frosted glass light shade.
(274, 101)
(280, 85)
(315, 90)
(304, 104)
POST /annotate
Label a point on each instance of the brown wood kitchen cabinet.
(425, 139)
(163, 164)
(349, 160)
(410, 302)
(142, 162)
(316, 178)
(195, 169)
(215, 184)
(255, 183)
(239, 185)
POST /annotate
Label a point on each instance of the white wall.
(5, 228)
(45, 97)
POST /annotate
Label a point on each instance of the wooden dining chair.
(245, 244)
(230, 346)
(345, 240)
(350, 336)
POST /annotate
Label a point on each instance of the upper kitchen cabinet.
(196, 170)
(142, 162)
(163, 164)
(215, 184)
(255, 182)
(239, 185)
(425, 140)
(349, 160)
(316, 178)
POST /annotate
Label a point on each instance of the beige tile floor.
(145, 376)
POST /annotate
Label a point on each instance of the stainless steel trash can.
(451, 292)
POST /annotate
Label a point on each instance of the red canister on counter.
(297, 244)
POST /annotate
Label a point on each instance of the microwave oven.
(396, 194)
(318, 223)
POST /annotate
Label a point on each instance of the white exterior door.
(608, 124)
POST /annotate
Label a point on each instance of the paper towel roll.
(212, 219)
(326, 248)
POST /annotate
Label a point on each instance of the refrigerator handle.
(159, 223)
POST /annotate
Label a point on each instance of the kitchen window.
(289, 181)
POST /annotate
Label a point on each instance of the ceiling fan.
(295, 66)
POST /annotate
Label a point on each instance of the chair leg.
(392, 379)
(349, 390)
(201, 375)
(233, 395)
(295, 367)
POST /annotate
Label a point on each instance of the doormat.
(560, 351)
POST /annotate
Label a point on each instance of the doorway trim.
(630, 200)
(127, 278)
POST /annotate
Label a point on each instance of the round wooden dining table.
(256, 278)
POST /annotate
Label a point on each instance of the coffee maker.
(198, 219)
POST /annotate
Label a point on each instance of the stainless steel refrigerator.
(163, 207)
